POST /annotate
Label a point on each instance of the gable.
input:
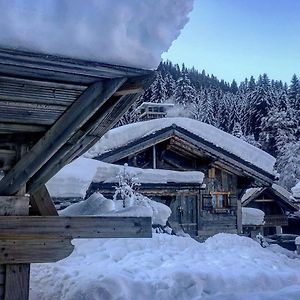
(188, 144)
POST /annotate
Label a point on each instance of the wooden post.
(239, 216)
(154, 156)
(16, 277)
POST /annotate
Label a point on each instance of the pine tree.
(158, 89)
(184, 91)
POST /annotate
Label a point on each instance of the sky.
(234, 39)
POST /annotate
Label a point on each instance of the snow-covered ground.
(169, 267)
(125, 134)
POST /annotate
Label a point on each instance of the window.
(220, 199)
(149, 108)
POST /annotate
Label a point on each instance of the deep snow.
(74, 179)
(126, 32)
(123, 135)
(252, 216)
(98, 205)
(169, 267)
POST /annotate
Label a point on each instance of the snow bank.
(73, 180)
(252, 216)
(130, 32)
(97, 205)
(108, 173)
(168, 267)
(125, 134)
(297, 240)
(296, 191)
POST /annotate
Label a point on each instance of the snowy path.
(169, 267)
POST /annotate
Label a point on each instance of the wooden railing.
(276, 220)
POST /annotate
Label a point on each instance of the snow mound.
(297, 240)
(130, 32)
(73, 180)
(123, 135)
(98, 205)
(168, 267)
(296, 191)
(252, 216)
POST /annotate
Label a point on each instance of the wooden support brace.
(41, 203)
(75, 117)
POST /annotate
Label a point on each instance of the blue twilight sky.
(240, 38)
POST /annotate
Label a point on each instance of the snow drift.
(169, 267)
(125, 134)
(130, 32)
(98, 205)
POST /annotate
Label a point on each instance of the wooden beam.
(42, 203)
(52, 227)
(17, 282)
(34, 251)
(76, 116)
(105, 119)
(14, 205)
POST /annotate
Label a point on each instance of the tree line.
(262, 112)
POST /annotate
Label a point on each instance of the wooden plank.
(20, 128)
(34, 251)
(77, 115)
(60, 69)
(17, 282)
(106, 118)
(14, 205)
(41, 202)
(52, 227)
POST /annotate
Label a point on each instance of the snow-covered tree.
(127, 186)
(288, 164)
(184, 91)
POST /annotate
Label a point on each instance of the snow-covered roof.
(131, 33)
(123, 135)
(74, 179)
(284, 195)
(252, 216)
(107, 173)
(249, 193)
(296, 191)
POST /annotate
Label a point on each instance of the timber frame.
(52, 110)
(201, 211)
(194, 145)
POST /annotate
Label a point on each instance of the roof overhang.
(221, 156)
(57, 108)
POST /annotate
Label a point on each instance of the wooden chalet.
(201, 210)
(276, 203)
(53, 109)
